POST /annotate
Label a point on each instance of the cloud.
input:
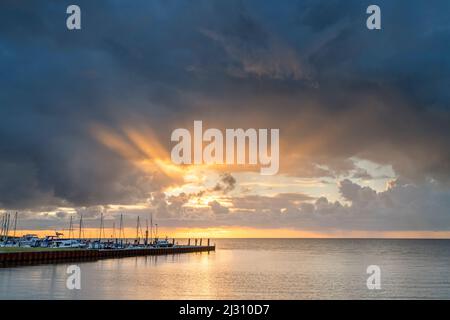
(355, 193)
(217, 208)
(402, 206)
(265, 59)
(274, 203)
(362, 174)
(226, 184)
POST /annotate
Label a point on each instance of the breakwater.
(8, 259)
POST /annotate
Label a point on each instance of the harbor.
(20, 258)
(29, 249)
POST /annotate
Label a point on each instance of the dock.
(9, 259)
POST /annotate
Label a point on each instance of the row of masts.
(80, 229)
(148, 234)
(6, 225)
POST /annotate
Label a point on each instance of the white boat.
(67, 243)
(162, 244)
(29, 240)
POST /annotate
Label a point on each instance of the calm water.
(251, 269)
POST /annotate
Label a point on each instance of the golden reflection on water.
(155, 277)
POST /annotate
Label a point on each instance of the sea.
(252, 269)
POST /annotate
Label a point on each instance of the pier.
(20, 258)
(29, 249)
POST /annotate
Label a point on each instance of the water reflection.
(250, 269)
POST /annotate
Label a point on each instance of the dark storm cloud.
(226, 184)
(311, 68)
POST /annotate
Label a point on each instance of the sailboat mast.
(114, 230)
(8, 216)
(81, 226)
(70, 228)
(15, 225)
(151, 227)
(3, 225)
(146, 232)
(121, 232)
(137, 230)
(101, 227)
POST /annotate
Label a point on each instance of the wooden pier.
(8, 259)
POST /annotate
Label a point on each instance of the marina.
(30, 249)
(20, 258)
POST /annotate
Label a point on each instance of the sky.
(364, 116)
